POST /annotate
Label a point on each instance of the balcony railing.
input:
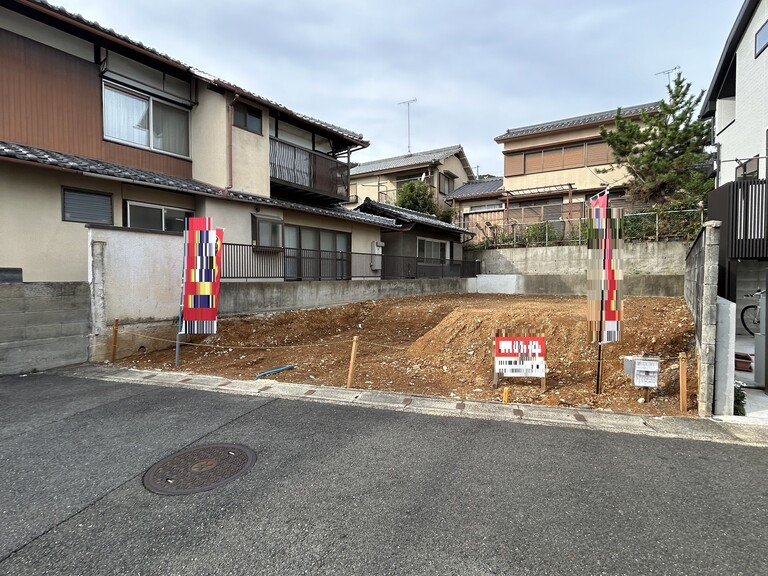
(742, 207)
(243, 261)
(309, 170)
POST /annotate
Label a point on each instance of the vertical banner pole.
(181, 289)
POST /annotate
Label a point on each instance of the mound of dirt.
(443, 345)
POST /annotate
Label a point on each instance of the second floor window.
(247, 118)
(140, 120)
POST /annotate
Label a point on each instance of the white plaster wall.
(141, 275)
(250, 159)
(233, 217)
(746, 136)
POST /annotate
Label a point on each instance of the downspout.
(231, 127)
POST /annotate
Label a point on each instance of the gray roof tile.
(88, 166)
(576, 121)
(406, 160)
(487, 187)
(411, 216)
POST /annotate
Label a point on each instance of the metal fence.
(499, 231)
(244, 261)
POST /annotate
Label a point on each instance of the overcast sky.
(476, 67)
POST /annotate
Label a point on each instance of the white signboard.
(646, 373)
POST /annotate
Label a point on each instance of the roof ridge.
(410, 154)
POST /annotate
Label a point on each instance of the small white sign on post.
(646, 372)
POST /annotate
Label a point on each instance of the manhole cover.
(199, 469)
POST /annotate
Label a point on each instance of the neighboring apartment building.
(736, 97)
(736, 101)
(551, 168)
(99, 130)
(477, 201)
(443, 169)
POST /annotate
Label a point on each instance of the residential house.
(477, 204)
(422, 246)
(97, 130)
(443, 170)
(736, 103)
(551, 168)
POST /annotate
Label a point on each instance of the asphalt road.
(350, 490)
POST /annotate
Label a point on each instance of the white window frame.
(761, 39)
(424, 257)
(129, 203)
(150, 102)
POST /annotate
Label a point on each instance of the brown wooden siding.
(50, 99)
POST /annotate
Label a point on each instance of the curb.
(726, 430)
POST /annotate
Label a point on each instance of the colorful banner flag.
(605, 306)
(202, 275)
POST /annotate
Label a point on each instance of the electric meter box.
(644, 370)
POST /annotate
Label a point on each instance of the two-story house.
(552, 167)
(737, 105)
(99, 130)
(442, 169)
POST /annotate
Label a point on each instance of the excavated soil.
(443, 346)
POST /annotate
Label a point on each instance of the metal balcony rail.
(495, 229)
(244, 261)
(308, 169)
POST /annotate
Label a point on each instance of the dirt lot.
(443, 346)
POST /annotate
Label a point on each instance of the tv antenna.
(668, 73)
(408, 103)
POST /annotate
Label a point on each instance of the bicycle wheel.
(749, 319)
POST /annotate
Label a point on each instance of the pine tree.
(664, 152)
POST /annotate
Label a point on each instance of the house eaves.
(486, 188)
(406, 217)
(413, 161)
(99, 168)
(92, 31)
(597, 119)
(727, 57)
(107, 170)
(338, 212)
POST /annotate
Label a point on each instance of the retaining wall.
(43, 325)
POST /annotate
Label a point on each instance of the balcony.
(298, 173)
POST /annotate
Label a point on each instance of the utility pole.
(408, 103)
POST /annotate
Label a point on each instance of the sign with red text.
(521, 356)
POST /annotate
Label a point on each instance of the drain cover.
(199, 469)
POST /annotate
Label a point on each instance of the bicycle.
(750, 315)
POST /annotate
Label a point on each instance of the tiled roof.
(333, 212)
(87, 166)
(410, 216)
(406, 160)
(101, 168)
(576, 121)
(46, 6)
(487, 187)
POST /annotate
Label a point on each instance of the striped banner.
(202, 275)
(605, 305)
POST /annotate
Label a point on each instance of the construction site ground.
(442, 345)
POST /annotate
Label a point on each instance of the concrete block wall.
(43, 325)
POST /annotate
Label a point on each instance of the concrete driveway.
(342, 489)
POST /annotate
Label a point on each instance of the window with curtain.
(142, 120)
(431, 251)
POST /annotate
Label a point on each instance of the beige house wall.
(250, 159)
(208, 137)
(583, 178)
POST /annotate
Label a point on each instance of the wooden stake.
(683, 383)
(647, 395)
(505, 395)
(352, 362)
(114, 339)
